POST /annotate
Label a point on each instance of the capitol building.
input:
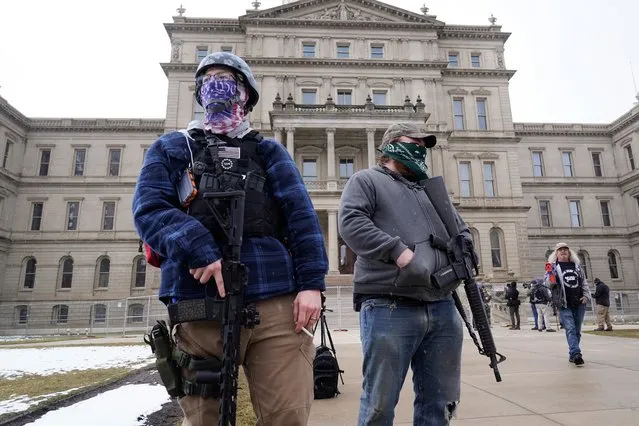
(332, 76)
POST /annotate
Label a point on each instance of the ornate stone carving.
(176, 48)
(341, 12)
(500, 58)
(480, 92)
(457, 91)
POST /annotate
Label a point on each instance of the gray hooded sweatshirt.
(380, 215)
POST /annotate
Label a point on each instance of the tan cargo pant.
(603, 315)
(276, 360)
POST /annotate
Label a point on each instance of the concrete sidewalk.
(539, 386)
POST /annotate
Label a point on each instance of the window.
(631, 158)
(104, 269)
(495, 248)
(45, 159)
(544, 213)
(308, 49)
(36, 216)
(198, 111)
(596, 163)
(114, 162)
(99, 313)
(489, 179)
(379, 97)
(59, 314)
(566, 158)
(583, 259)
(200, 53)
(22, 314)
(309, 96)
(30, 272)
(309, 169)
(377, 51)
(477, 246)
(144, 151)
(474, 60)
(108, 215)
(7, 154)
(613, 265)
(344, 97)
(228, 49)
(458, 114)
(73, 210)
(575, 213)
(140, 272)
(605, 212)
(482, 118)
(136, 313)
(538, 163)
(78, 162)
(465, 187)
(453, 60)
(346, 167)
(66, 277)
(343, 50)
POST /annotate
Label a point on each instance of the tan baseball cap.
(408, 129)
(561, 245)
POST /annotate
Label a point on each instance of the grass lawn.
(632, 333)
(35, 385)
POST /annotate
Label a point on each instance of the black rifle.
(226, 202)
(463, 266)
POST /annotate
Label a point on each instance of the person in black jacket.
(512, 301)
(602, 299)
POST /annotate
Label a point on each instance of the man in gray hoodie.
(386, 218)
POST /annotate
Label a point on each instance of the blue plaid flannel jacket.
(185, 243)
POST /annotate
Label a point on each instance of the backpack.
(326, 370)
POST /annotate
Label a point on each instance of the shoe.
(579, 360)
(608, 329)
(571, 360)
(534, 328)
(550, 330)
(599, 329)
(517, 328)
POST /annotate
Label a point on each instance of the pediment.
(342, 11)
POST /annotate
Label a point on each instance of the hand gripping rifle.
(226, 203)
(463, 266)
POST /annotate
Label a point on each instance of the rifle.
(463, 266)
(225, 198)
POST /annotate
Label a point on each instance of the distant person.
(602, 300)
(541, 297)
(512, 301)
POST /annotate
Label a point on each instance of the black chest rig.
(224, 164)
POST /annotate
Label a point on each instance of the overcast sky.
(80, 58)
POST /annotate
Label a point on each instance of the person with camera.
(512, 301)
(387, 219)
(282, 247)
(570, 293)
(540, 295)
(602, 300)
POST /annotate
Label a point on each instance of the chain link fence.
(136, 315)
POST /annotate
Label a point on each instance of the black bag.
(326, 370)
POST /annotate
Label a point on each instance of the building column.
(290, 141)
(370, 134)
(333, 250)
(277, 134)
(330, 152)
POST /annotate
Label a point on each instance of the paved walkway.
(539, 386)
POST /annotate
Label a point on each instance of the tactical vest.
(238, 166)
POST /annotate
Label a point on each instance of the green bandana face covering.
(411, 155)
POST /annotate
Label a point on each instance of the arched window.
(59, 314)
(613, 264)
(139, 272)
(584, 258)
(475, 234)
(136, 313)
(30, 272)
(66, 272)
(22, 314)
(495, 248)
(99, 313)
(103, 272)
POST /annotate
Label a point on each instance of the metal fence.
(136, 315)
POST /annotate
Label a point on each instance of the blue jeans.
(534, 310)
(572, 318)
(428, 337)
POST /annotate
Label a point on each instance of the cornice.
(203, 25)
(625, 120)
(562, 129)
(387, 25)
(14, 114)
(169, 67)
(473, 32)
(482, 73)
(96, 125)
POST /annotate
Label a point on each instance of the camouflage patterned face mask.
(411, 155)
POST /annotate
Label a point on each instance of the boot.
(599, 329)
(608, 329)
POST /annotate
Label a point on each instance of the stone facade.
(332, 75)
